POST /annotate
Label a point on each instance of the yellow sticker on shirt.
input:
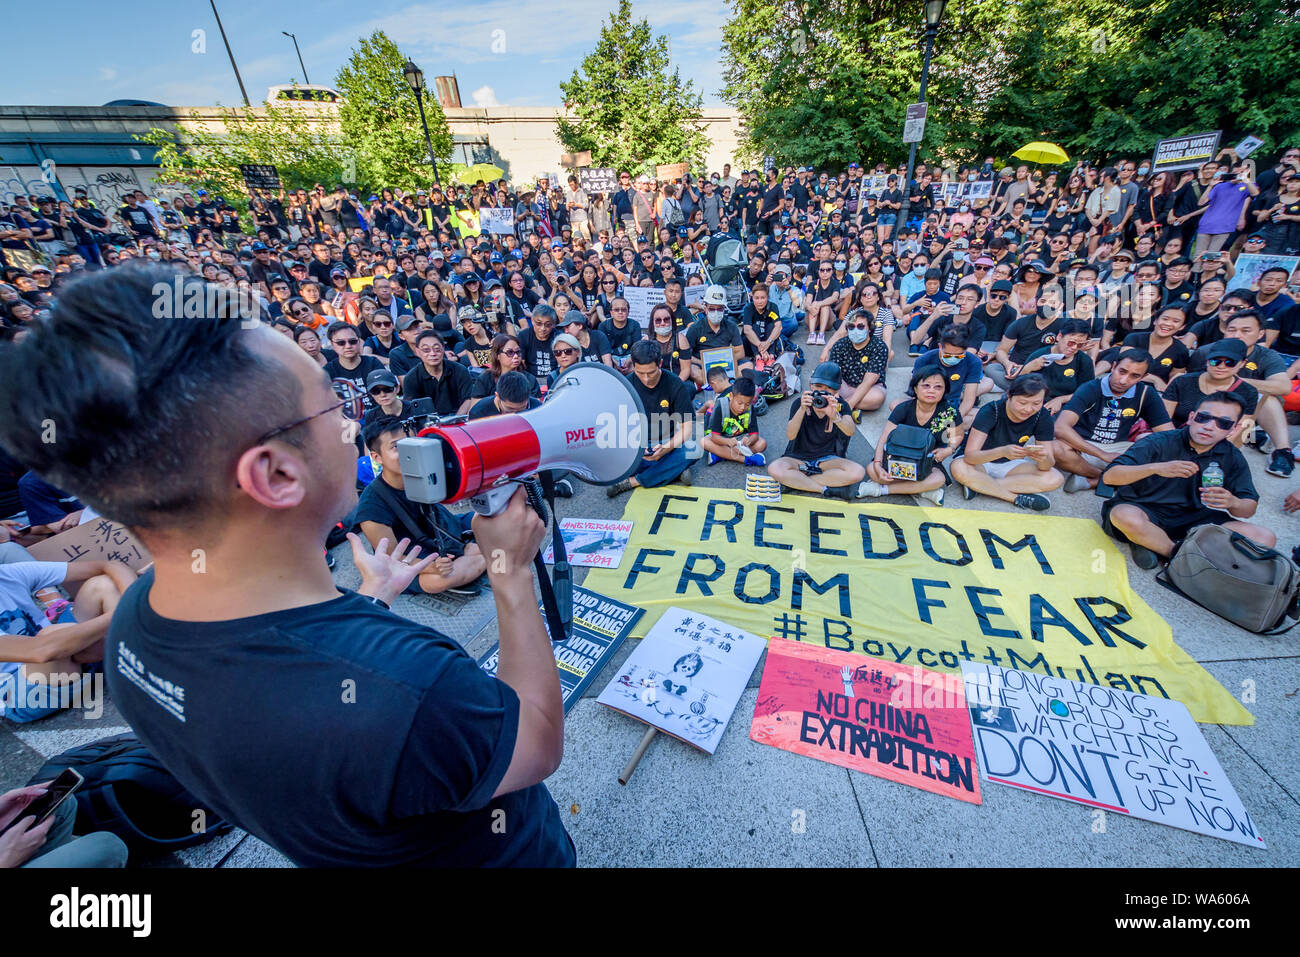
(1129, 413)
(663, 403)
(1068, 372)
(1251, 366)
(1166, 361)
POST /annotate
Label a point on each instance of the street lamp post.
(294, 38)
(933, 14)
(415, 79)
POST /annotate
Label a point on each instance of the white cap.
(715, 295)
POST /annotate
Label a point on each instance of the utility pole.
(240, 79)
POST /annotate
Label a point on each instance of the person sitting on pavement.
(963, 369)
(715, 331)
(927, 409)
(1268, 373)
(1161, 492)
(1063, 365)
(863, 360)
(670, 411)
(927, 305)
(513, 394)
(1022, 339)
(1009, 450)
(568, 352)
(386, 511)
(1223, 361)
(1096, 425)
(818, 433)
(382, 387)
(732, 429)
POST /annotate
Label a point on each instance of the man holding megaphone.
(341, 734)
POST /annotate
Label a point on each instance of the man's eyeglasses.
(1000, 296)
(1228, 363)
(347, 342)
(1222, 421)
(267, 437)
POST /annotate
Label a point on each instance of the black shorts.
(1175, 523)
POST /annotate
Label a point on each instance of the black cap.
(827, 373)
(1226, 349)
(381, 377)
(1002, 285)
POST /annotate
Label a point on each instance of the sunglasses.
(858, 325)
(381, 325)
(347, 342)
(382, 390)
(1222, 362)
(510, 352)
(1222, 421)
(566, 351)
(608, 282)
(1001, 296)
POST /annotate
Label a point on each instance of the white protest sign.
(1108, 748)
(640, 300)
(693, 294)
(686, 677)
(496, 220)
(1247, 146)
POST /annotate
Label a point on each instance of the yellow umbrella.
(479, 171)
(1045, 154)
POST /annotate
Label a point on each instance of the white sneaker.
(935, 495)
(870, 489)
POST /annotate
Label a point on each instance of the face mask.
(662, 330)
(1061, 207)
(841, 265)
(155, 256)
(1143, 170)
(965, 209)
(858, 336)
(958, 256)
(970, 177)
(887, 270)
(918, 271)
(950, 360)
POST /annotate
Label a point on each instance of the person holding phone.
(36, 829)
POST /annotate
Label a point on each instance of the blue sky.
(144, 50)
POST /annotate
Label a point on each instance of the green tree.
(630, 111)
(303, 150)
(380, 120)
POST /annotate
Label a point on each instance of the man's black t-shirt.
(487, 406)
(1170, 362)
(448, 392)
(538, 358)
(995, 326)
(994, 422)
(1185, 392)
(485, 384)
(813, 440)
(383, 739)
(137, 217)
(1064, 378)
(621, 340)
(334, 369)
(1182, 496)
(1029, 338)
(1105, 418)
(701, 336)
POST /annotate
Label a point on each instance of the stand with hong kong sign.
(1108, 748)
(902, 724)
(1185, 152)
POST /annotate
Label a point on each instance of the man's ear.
(272, 476)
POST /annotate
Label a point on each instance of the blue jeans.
(653, 474)
(789, 326)
(61, 849)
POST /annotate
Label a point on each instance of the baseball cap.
(827, 373)
(572, 316)
(1002, 285)
(436, 253)
(985, 261)
(1227, 349)
(260, 247)
(468, 312)
(381, 377)
(491, 282)
(495, 258)
(406, 320)
(567, 340)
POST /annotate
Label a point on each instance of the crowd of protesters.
(1075, 330)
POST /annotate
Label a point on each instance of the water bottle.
(1211, 477)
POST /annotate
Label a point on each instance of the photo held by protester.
(391, 479)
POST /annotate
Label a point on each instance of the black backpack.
(908, 453)
(129, 793)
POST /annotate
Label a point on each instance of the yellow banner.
(925, 587)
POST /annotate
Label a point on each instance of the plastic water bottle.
(1212, 476)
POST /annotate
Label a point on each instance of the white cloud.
(485, 96)
(107, 74)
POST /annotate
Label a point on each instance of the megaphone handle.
(493, 501)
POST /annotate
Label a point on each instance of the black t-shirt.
(401, 359)
(621, 340)
(670, 397)
(1182, 495)
(1029, 338)
(943, 418)
(978, 331)
(1207, 331)
(1103, 418)
(1064, 378)
(405, 774)
(538, 358)
(1288, 336)
(480, 351)
(410, 408)
(487, 406)
(1185, 392)
(448, 392)
(596, 347)
(993, 421)
(701, 336)
(357, 376)
(1170, 362)
(137, 217)
(813, 440)
(763, 325)
(994, 325)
